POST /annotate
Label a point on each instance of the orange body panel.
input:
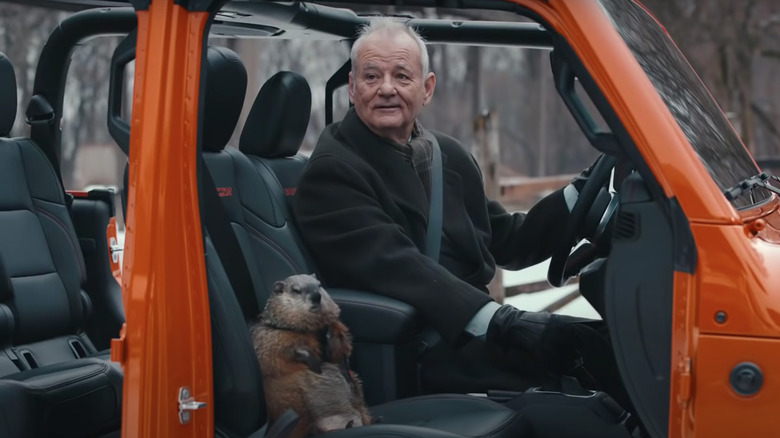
(735, 279)
(740, 279)
(168, 337)
(684, 337)
(719, 411)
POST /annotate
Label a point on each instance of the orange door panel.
(719, 411)
(166, 351)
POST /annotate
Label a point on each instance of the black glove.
(579, 181)
(542, 340)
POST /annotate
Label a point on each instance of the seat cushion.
(70, 399)
(388, 431)
(462, 415)
(255, 205)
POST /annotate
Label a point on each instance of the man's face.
(386, 84)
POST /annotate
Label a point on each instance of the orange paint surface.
(167, 341)
(721, 412)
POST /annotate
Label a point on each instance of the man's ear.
(429, 83)
(351, 88)
(278, 287)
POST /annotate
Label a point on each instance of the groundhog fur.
(304, 350)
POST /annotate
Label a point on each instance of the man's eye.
(370, 77)
(403, 77)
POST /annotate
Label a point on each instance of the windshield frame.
(704, 124)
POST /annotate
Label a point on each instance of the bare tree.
(23, 32)
(725, 40)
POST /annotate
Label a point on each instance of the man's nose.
(387, 87)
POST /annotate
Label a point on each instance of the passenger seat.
(276, 126)
(253, 198)
(43, 307)
(49, 383)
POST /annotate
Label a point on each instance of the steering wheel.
(563, 259)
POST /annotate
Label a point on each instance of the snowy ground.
(540, 300)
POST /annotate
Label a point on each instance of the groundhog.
(304, 350)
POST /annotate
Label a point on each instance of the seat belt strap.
(430, 337)
(433, 234)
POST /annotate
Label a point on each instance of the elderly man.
(362, 210)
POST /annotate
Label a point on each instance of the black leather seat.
(50, 381)
(43, 308)
(252, 195)
(275, 128)
(256, 211)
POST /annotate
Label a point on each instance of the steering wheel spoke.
(564, 262)
(579, 258)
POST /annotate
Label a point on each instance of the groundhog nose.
(316, 297)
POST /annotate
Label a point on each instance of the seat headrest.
(7, 96)
(225, 93)
(277, 122)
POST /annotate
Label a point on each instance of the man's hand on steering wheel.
(588, 184)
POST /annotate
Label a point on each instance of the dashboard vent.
(627, 226)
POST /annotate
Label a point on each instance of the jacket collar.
(379, 153)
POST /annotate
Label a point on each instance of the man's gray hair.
(393, 26)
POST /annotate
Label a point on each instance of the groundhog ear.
(314, 276)
(279, 287)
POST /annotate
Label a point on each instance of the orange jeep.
(680, 256)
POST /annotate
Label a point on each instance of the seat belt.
(228, 249)
(430, 337)
(433, 234)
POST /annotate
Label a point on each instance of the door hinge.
(186, 404)
(684, 393)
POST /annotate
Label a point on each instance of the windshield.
(697, 114)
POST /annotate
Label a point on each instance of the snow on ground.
(539, 300)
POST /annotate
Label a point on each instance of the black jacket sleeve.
(356, 244)
(517, 240)
(520, 240)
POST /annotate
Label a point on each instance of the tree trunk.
(543, 72)
(474, 78)
(746, 110)
(486, 130)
